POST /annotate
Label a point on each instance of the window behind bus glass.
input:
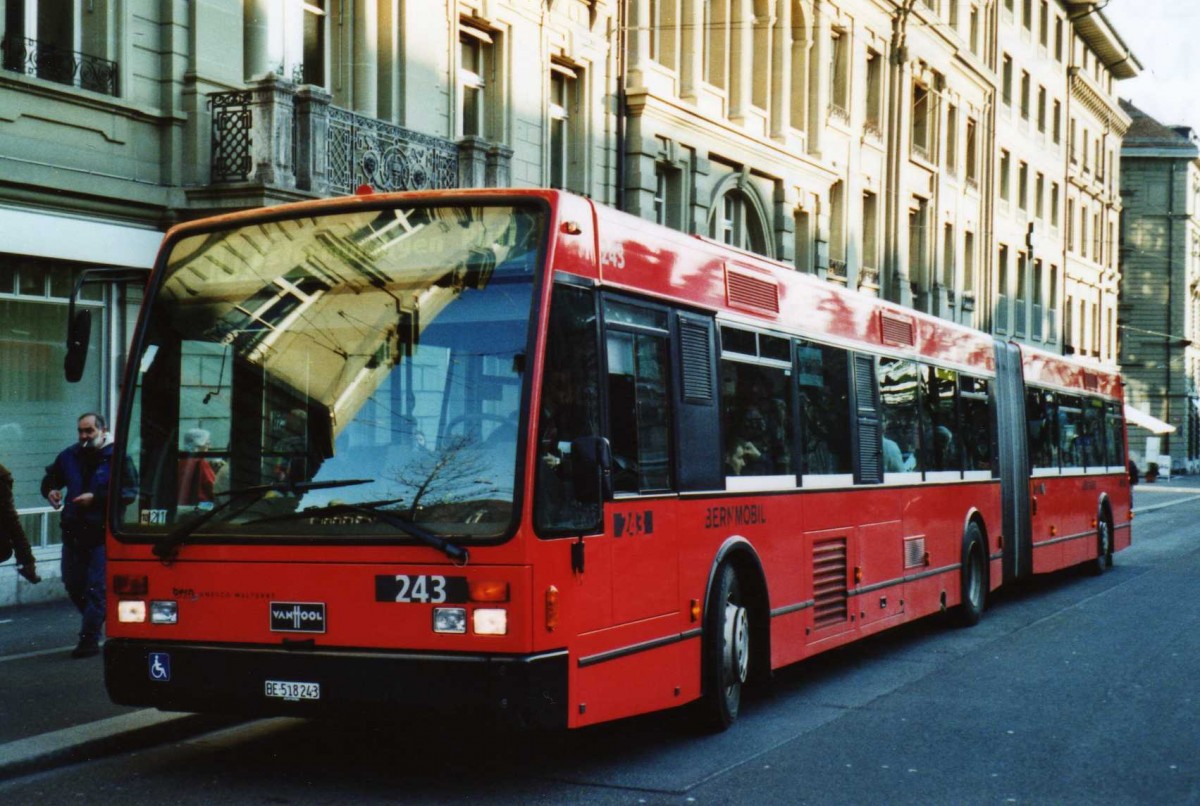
(823, 381)
(570, 408)
(976, 422)
(1071, 431)
(639, 397)
(898, 382)
(1041, 429)
(939, 421)
(756, 404)
(1091, 440)
(1116, 435)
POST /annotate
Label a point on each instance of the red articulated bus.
(512, 452)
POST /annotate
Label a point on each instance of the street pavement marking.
(39, 653)
(1140, 510)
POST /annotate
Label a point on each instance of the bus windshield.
(337, 376)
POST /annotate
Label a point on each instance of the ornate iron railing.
(366, 151)
(232, 118)
(62, 66)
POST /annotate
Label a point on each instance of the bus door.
(640, 518)
(1014, 462)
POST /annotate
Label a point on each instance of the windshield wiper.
(167, 549)
(376, 509)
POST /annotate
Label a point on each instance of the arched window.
(737, 218)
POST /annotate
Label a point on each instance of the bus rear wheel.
(726, 650)
(974, 579)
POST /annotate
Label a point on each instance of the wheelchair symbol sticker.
(160, 666)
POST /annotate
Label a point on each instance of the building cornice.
(1106, 109)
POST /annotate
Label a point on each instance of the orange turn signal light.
(488, 591)
(551, 608)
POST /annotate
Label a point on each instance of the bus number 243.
(423, 588)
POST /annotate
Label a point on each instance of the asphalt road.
(1072, 690)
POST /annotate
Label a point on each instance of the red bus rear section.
(514, 454)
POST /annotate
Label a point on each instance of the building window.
(476, 74)
(804, 241)
(972, 155)
(1054, 204)
(59, 42)
(952, 139)
(870, 219)
(716, 54)
(668, 195)
(36, 401)
(1041, 110)
(922, 122)
(1025, 95)
(839, 71)
(565, 119)
(874, 109)
(1039, 193)
(968, 279)
(1005, 190)
(737, 222)
(1058, 38)
(1057, 130)
(1044, 24)
(948, 251)
(314, 42)
(973, 32)
(1027, 14)
(1006, 78)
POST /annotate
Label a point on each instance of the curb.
(118, 734)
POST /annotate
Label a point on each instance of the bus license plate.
(293, 691)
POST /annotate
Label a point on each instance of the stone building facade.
(1160, 285)
(912, 149)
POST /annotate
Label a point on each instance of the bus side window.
(1041, 429)
(901, 420)
(976, 422)
(939, 419)
(823, 380)
(639, 397)
(1071, 431)
(1115, 420)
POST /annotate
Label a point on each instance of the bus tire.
(974, 579)
(1104, 547)
(726, 658)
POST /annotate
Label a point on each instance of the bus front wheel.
(726, 650)
(1104, 547)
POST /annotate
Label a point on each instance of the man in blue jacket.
(84, 470)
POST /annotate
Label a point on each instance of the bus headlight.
(450, 619)
(490, 621)
(164, 612)
(131, 612)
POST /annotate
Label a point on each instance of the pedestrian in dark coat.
(84, 469)
(12, 535)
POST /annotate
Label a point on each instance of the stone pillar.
(312, 139)
(781, 85)
(819, 74)
(691, 64)
(498, 172)
(366, 57)
(639, 26)
(272, 103)
(741, 60)
(473, 162)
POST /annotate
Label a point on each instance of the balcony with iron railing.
(289, 137)
(53, 63)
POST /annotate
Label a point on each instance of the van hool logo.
(297, 617)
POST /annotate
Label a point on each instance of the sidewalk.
(54, 708)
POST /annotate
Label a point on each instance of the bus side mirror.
(79, 336)
(591, 469)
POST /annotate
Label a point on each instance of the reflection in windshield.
(381, 344)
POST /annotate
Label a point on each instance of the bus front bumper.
(273, 681)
